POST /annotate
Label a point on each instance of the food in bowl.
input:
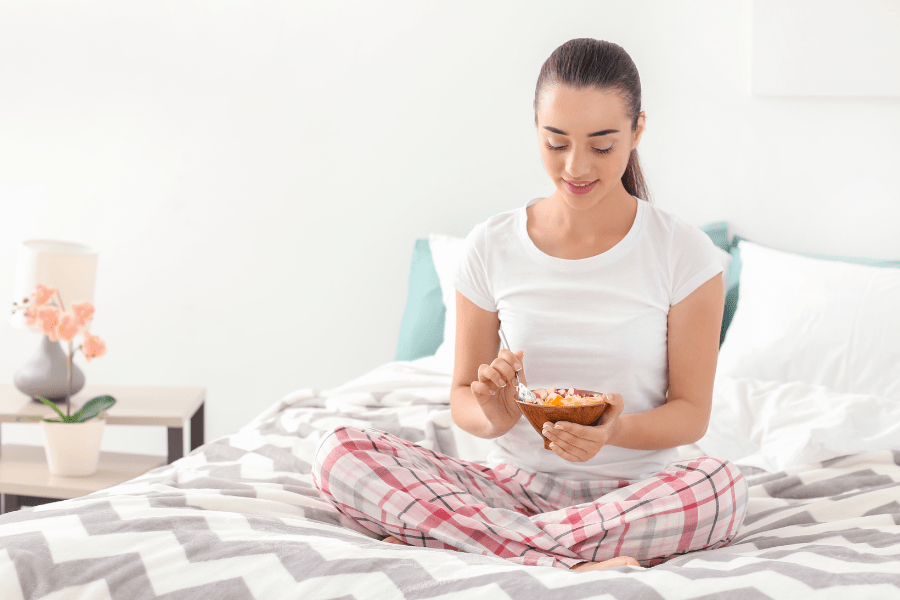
(567, 396)
(563, 404)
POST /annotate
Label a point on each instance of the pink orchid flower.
(48, 320)
(68, 327)
(42, 294)
(93, 346)
(83, 311)
(31, 317)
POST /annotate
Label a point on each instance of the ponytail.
(633, 178)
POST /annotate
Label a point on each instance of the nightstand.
(24, 477)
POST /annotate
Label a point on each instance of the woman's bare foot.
(392, 540)
(619, 561)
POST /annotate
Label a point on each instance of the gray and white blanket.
(239, 518)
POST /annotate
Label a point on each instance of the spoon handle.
(522, 392)
(503, 341)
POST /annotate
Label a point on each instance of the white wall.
(254, 173)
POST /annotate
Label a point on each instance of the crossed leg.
(418, 497)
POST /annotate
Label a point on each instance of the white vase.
(73, 449)
(45, 373)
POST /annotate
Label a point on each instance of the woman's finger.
(565, 451)
(565, 431)
(510, 358)
(482, 390)
(503, 365)
(574, 431)
(616, 402)
(487, 373)
(567, 442)
(514, 360)
(616, 406)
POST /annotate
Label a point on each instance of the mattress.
(240, 518)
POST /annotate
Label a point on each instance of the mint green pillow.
(422, 327)
(718, 233)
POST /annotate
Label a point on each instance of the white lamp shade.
(68, 266)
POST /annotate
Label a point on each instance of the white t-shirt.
(598, 323)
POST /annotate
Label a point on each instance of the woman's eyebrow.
(595, 134)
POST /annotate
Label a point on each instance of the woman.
(599, 290)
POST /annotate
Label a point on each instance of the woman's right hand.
(495, 389)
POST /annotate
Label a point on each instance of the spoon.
(522, 392)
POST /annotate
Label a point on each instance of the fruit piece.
(567, 397)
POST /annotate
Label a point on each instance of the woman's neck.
(559, 229)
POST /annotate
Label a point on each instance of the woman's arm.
(482, 394)
(693, 348)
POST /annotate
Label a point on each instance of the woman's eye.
(597, 150)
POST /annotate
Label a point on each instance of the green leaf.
(92, 408)
(62, 417)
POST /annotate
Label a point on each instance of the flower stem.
(62, 306)
(69, 381)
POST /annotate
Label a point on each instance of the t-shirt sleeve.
(472, 279)
(696, 260)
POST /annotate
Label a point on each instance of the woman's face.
(586, 138)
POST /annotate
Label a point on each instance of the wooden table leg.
(176, 435)
(176, 444)
(8, 503)
(197, 427)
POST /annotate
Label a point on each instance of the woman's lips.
(583, 188)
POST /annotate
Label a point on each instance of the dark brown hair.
(586, 62)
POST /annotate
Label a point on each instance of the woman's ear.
(638, 130)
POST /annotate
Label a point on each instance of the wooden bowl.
(538, 414)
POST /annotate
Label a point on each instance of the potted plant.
(72, 441)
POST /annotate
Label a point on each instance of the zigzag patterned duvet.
(239, 518)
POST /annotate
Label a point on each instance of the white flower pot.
(73, 449)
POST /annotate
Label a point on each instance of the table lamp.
(72, 269)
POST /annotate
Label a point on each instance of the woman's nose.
(578, 163)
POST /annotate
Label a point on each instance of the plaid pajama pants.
(394, 487)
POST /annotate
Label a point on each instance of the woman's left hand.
(579, 443)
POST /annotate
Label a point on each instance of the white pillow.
(817, 321)
(446, 252)
(776, 426)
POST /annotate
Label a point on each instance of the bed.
(811, 417)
